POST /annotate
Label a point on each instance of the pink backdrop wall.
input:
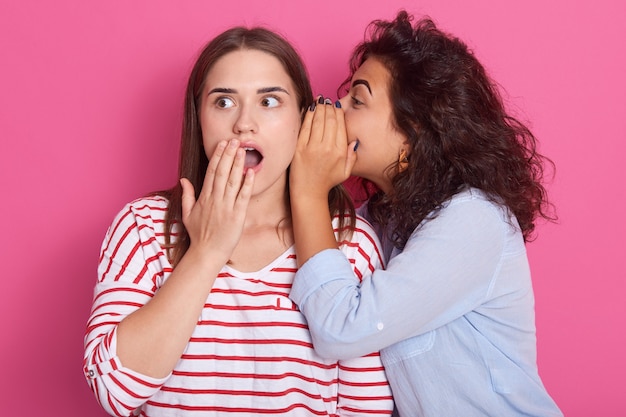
(90, 99)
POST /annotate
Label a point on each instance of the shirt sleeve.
(363, 388)
(445, 270)
(131, 267)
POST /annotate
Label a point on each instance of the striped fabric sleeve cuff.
(118, 388)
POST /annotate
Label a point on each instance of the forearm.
(312, 226)
(152, 339)
(321, 161)
(441, 274)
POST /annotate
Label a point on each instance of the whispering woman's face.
(369, 118)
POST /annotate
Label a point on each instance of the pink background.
(90, 107)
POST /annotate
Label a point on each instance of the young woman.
(191, 313)
(460, 189)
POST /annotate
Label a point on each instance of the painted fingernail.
(328, 101)
(337, 104)
(320, 100)
(356, 145)
(312, 106)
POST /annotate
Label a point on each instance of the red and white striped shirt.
(251, 351)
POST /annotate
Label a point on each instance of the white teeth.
(248, 149)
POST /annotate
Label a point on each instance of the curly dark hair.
(458, 131)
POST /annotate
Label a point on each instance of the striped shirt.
(251, 351)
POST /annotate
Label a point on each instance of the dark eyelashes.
(277, 98)
(223, 101)
(355, 101)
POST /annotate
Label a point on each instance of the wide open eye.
(270, 101)
(224, 102)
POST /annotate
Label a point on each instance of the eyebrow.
(259, 91)
(363, 82)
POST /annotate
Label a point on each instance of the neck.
(267, 232)
(267, 209)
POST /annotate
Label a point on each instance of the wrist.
(205, 260)
(309, 201)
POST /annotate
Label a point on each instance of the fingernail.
(320, 100)
(337, 104)
(312, 106)
(356, 145)
(328, 101)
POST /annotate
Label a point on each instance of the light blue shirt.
(452, 314)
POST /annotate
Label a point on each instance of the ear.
(403, 159)
(406, 148)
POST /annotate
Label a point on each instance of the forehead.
(248, 67)
(375, 73)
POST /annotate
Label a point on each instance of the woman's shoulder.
(361, 242)
(152, 208)
(470, 194)
(475, 210)
(362, 227)
(478, 201)
(365, 230)
(151, 203)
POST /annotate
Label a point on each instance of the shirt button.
(91, 373)
(380, 326)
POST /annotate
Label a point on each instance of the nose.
(246, 121)
(345, 100)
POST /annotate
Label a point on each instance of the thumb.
(351, 156)
(188, 199)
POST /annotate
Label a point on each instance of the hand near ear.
(323, 157)
(322, 160)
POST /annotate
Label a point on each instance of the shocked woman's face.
(249, 96)
(369, 118)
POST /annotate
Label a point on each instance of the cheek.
(296, 131)
(209, 147)
(288, 127)
(213, 129)
(209, 140)
(351, 125)
(362, 126)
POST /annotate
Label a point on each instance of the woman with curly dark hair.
(460, 190)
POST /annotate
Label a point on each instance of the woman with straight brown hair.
(191, 313)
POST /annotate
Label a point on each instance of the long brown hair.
(193, 161)
(458, 132)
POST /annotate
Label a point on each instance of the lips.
(253, 157)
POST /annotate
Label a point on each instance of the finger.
(305, 129)
(318, 123)
(342, 134)
(245, 192)
(330, 126)
(342, 140)
(188, 199)
(224, 168)
(236, 175)
(351, 157)
(209, 176)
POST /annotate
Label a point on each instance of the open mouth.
(253, 158)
